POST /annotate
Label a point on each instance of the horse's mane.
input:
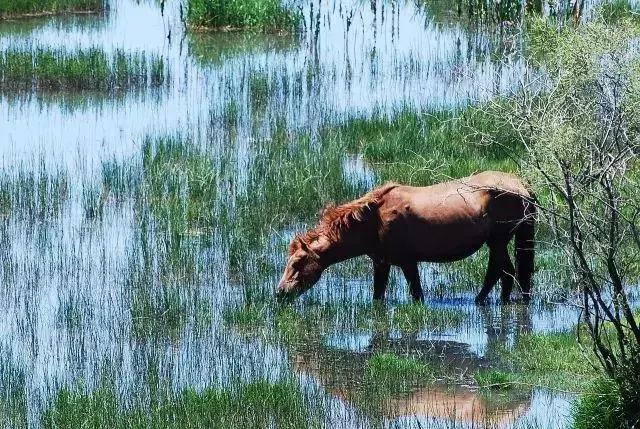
(334, 220)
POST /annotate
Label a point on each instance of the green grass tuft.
(246, 317)
(553, 360)
(264, 15)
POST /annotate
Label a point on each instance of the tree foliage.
(579, 121)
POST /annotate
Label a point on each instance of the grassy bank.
(262, 15)
(25, 8)
(46, 69)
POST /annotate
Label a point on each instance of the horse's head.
(303, 270)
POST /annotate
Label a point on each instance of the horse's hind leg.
(497, 254)
(507, 275)
(413, 278)
(380, 279)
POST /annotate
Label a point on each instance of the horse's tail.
(525, 247)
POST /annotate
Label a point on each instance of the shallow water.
(71, 285)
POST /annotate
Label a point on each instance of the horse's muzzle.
(284, 296)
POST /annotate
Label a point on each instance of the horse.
(397, 225)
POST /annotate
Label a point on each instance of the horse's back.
(450, 220)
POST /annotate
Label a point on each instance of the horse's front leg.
(413, 278)
(380, 279)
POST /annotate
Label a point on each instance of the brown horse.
(403, 225)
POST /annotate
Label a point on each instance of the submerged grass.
(20, 8)
(257, 404)
(264, 15)
(48, 69)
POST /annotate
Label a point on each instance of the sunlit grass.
(416, 316)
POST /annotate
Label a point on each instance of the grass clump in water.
(388, 374)
(495, 380)
(258, 404)
(390, 366)
(48, 69)
(180, 185)
(23, 8)
(263, 15)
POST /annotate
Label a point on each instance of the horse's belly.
(437, 243)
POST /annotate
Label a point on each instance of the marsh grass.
(159, 305)
(214, 48)
(13, 396)
(387, 375)
(38, 69)
(260, 88)
(299, 325)
(93, 202)
(262, 15)
(21, 8)
(256, 405)
(249, 317)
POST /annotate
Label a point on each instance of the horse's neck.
(354, 243)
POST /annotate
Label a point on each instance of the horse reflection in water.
(342, 372)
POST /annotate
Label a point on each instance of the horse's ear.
(307, 249)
